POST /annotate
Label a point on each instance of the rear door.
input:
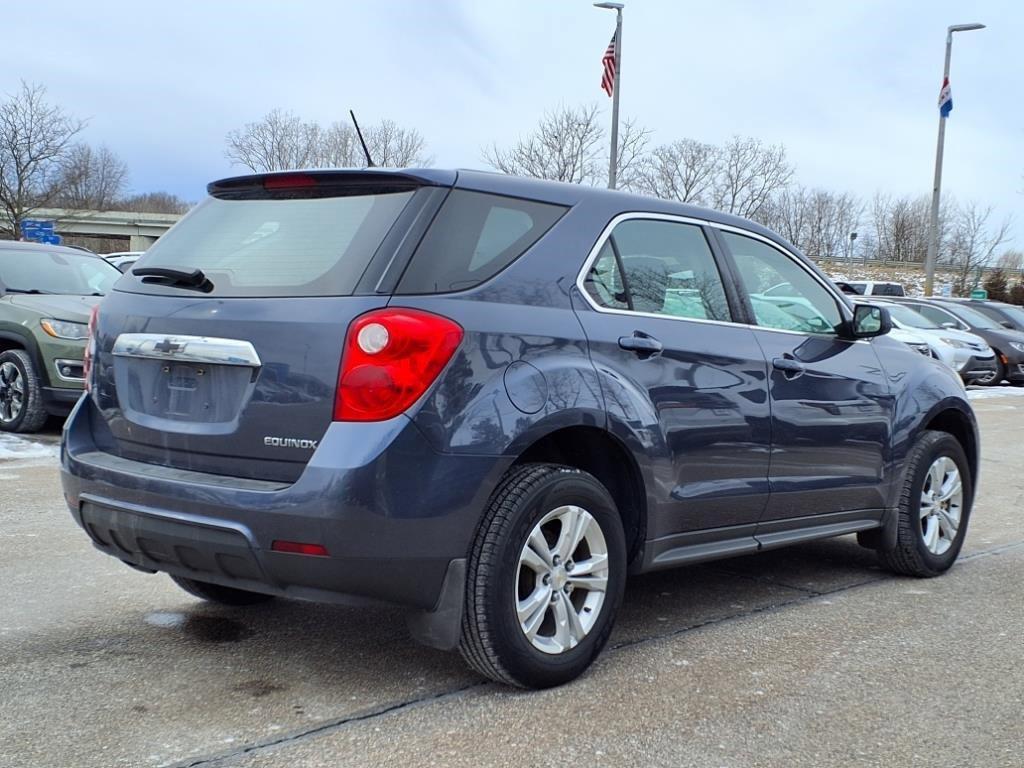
(235, 372)
(679, 375)
(831, 412)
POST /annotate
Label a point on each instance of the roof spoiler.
(326, 183)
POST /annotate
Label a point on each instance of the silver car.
(967, 354)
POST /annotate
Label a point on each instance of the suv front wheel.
(21, 400)
(545, 579)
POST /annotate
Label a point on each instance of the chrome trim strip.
(606, 233)
(58, 362)
(187, 349)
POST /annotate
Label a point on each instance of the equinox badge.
(290, 442)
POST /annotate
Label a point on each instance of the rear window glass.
(887, 289)
(473, 237)
(279, 247)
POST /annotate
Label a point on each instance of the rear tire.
(21, 397)
(539, 607)
(934, 508)
(216, 593)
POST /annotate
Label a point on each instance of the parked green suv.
(46, 295)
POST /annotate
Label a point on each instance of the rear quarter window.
(473, 237)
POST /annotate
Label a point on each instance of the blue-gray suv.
(490, 399)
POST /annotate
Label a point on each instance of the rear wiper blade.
(194, 278)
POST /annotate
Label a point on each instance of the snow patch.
(14, 447)
(987, 393)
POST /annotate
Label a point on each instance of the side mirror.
(870, 321)
(949, 324)
(1006, 324)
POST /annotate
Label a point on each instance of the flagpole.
(933, 221)
(613, 155)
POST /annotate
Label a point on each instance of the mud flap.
(441, 627)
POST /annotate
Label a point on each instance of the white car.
(967, 354)
(875, 288)
(123, 259)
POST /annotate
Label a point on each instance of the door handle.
(790, 368)
(641, 343)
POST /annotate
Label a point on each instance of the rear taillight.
(391, 358)
(90, 348)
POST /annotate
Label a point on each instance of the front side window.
(658, 267)
(940, 317)
(783, 294)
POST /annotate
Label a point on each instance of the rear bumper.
(391, 512)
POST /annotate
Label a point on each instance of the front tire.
(934, 508)
(216, 593)
(997, 376)
(21, 398)
(545, 578)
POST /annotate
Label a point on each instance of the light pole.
(933, 222)
(613, 161)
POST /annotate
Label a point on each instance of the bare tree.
(393, 146)
(280, 141)
(35, 138)
(632, 156)
(153, 202)
(973, 244)
(568, 144)
(91, 178)
(565, 146)
(750, 173)
(284, 141)
(684, 170)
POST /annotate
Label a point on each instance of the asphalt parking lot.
(809, 656)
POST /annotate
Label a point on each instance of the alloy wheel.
(942, 499)
(561, 579)
(12, 392)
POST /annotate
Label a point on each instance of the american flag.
(608, 60)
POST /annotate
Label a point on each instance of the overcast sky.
(849, 88)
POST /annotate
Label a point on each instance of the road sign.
(50, 239)
(947, 290)
(37, 230)
(979, 293)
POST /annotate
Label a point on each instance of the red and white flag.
(608, 61)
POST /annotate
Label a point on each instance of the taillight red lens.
(299, 548)
(90, 348)
(391, 358)
(289, 181)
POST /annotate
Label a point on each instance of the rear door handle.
(641, 343)
(790, 368)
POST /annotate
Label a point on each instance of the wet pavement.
(806, 656)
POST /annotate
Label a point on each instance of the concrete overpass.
(142, 229)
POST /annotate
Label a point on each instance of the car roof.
(18, 245)
(541, 190)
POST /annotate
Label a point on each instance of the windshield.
(908, 317)
(34, 271)
(1014, 313)
(974, 318)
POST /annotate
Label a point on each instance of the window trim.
(726, 270)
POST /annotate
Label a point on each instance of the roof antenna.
(369, 160)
